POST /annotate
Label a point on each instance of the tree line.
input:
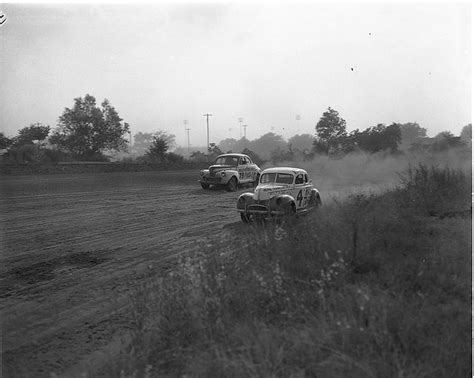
(89, 132)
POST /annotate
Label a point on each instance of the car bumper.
(211, 180)
(261, 210)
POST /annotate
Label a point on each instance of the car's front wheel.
(204, 186)
(232, 185)
(246, 218)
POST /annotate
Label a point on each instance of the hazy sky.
(265, 62)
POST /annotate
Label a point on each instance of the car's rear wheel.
(232, 185)
(314, 201)
(204, 186)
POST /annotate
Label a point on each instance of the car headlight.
(223, 174)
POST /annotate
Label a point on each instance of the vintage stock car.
(281, 191)
(230, 171)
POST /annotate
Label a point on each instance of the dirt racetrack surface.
(73, 248)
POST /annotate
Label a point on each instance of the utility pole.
(207, 115)
(187, 131)
(185, 124)
(240, 119)
(245, 131)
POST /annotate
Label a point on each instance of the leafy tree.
(157, 150)
(142, 141)
(330, 131)
(174, 158)
(280, 155)
(32, 133)
(445, 140)
(255, 158)
(301, 143)
(240, 144)
(5, 142)
(228, 144)
(86, 130)
(24, 149)
(466, 135)
(377, 138)
(411, 133)
(213, 151)
(266, 144)
(198, 156)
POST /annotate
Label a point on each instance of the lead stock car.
(281, 191)
(230, 171)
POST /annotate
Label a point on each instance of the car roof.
(232, 154)
(284, 170)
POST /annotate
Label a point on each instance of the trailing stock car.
(281, 191)
(230, 171)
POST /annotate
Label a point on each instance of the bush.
(364, 287)
(436, 190)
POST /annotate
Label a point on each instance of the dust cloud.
(339, 176)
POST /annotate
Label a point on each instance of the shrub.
(364, 287)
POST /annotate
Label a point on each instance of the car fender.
(228, 175)
(244, 200)
(231, 173)
(315, 199)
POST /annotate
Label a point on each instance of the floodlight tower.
(245, 131)
(240, 119)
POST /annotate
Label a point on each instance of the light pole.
(240, 119)
(245, 131)
(207, 115)
(185, 124)
(187, 130)
(298, 117)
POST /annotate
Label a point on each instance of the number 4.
(299, 197)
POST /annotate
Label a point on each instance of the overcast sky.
(265, 62)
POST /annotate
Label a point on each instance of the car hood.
(267, 191)
(217, 168)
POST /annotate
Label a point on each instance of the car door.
(302, 191)
(251, 172)
(243, 169)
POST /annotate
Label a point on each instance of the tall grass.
(369, 286)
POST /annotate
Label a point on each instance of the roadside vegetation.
(371, 285)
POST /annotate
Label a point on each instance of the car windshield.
(284, 178)
(268, 178)
(227, 160)
(279, 178)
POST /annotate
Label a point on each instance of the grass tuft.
(368, 286)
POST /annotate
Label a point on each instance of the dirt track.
(73, 246)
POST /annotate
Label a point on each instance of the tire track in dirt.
(73, 252)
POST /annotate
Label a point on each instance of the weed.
(368, 286)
